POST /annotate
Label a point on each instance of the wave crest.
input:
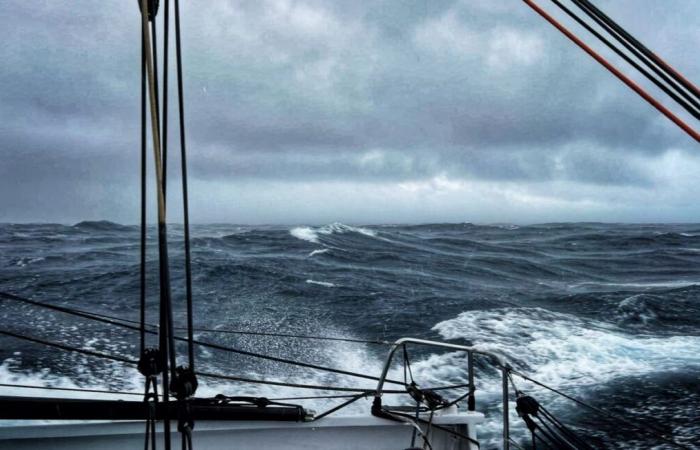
(558, 348)
(311, 234)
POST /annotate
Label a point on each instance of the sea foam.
(311, 234)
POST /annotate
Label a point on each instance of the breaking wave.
(609, 312)
(312, 234)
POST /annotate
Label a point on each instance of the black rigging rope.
(142, 260)
(641, 47)
(185, 195)
(83, 390)
(252, 333)
(246, 332)
(198, 342)
(689, 104)
(352, 400)
(650, 429)
(166, 343)
(164, 125)
(134, 362)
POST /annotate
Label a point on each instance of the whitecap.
(305, 234)
(320, 251)
(341, 228)
(320, 283)
(635, 309)
(650, 284)
(560, 349)
(312, 234)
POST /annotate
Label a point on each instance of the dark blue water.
(609, 313)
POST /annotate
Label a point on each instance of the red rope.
(634, 86)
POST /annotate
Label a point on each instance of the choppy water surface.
(609, 313)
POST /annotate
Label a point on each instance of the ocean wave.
(102, 225)
(559, 349)
(311, 234)
(319, 251)
(643, 285)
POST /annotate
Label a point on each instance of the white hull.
(330, 433)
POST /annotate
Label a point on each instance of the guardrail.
(471, 351)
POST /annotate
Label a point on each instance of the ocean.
(608, 313)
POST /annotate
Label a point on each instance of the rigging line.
(162, 236)
(69, 348)
(673, 82)
(208, 344)
(241, 332)
(538, 436)
(553, 439)
(164, 124)
(166, 341)
(314, 397)
(648, 428)
(574, 399)
(513, 442)
(142, 261)
(439, 427)
(55, 388)
(691, 105)
(565, 430)
(626, 40)
(631, 84)
(185, 195)
(203, 374)
(288, 335)
(94, 316)
(557, 437)
(154, 50)
(653, 56)
(342, 405)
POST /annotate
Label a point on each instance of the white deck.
(331, 433)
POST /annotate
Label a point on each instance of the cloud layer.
(315, 111)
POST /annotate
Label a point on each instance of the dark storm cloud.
(333, 92)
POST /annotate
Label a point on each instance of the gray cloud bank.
(316, 111)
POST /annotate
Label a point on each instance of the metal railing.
(471, 351)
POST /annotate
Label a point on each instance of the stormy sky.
(359, 112)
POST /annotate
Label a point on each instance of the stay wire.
(615, 71)
(251, 333)
(556, 437)
(185, 195)
(165, 341)
(109, 321)
(646, 51)
(564, 430)
(342, 405)
(133, 362)
(672, 90)
(65, 389)
(164, 125)
(142, 261)
(515, 443)
(95, 316)
(206, 344)
(113, 322)
(650, 429)
(439, 427)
